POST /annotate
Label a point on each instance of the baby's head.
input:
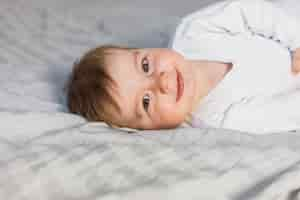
(130, 87)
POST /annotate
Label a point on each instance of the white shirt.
(260, 93)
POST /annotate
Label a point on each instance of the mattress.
(48, 153)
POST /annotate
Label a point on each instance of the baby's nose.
(164, 82)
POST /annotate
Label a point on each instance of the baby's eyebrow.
(135, 64)
(137, 114)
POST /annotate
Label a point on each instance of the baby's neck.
(212, 71)
(216, 71)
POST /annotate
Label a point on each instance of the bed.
(48, 153)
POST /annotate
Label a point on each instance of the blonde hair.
(89, 87)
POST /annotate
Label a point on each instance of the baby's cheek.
(167, 107)
(169, 115)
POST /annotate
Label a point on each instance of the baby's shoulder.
(204, 12)
(187, 20)
(217, 8)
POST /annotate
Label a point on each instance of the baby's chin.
(170, 122)
(154, 126)
(168, 125)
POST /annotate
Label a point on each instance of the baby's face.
(155, 88)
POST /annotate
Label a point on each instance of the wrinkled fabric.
(259, 94)
(64, 157)
(47, 153)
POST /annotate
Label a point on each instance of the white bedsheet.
(47, 153)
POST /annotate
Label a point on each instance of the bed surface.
(47, 153)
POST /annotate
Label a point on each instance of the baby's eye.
(146, 102)
(145, 65)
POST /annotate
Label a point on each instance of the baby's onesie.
(259, 94)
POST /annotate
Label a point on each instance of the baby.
(222, 63)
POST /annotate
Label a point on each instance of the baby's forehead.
(120, 66)
(117, 55)
(120, 57)
(122, 113)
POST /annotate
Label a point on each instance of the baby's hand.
(296, 61)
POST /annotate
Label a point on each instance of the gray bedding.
(47, 153)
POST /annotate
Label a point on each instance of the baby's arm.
(264, 18)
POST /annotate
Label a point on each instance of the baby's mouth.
(180, 85)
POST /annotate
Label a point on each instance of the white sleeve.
(260, 17)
